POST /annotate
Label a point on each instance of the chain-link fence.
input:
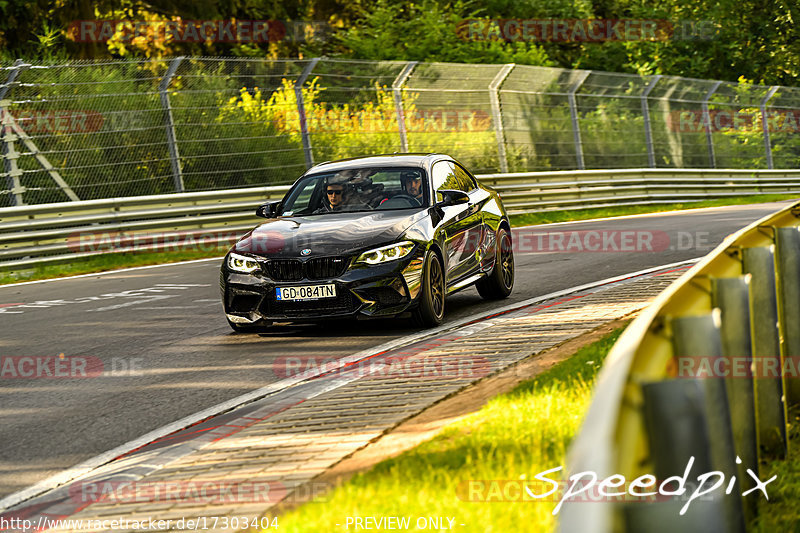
(87, 130)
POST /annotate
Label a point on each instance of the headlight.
(241, 263)
(386, 253)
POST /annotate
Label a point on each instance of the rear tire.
(430, 311)
(500, 281)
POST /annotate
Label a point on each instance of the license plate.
(306, 292)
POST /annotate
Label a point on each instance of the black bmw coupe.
(370, 237)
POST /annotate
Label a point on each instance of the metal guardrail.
(48, 233)
(707, 371)
(38, 234)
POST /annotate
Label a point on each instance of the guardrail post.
(301, 111)
(397, 87)
(573, 113)
(707, 123)
(172, 142)
(695, 336)
(689, 417)
(765, 125)
(787, 248)
(497, 117)
(770, 402)
(648, 130)
(732, 297)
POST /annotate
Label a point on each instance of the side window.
(465, 179)
(445, 177)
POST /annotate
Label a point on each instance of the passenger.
(340, 195)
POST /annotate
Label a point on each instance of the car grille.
(344, 303)
(296, 270)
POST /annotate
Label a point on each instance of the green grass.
(583, 214)
(781, 511)
(521, 433)
(115, 261)
(103, 263)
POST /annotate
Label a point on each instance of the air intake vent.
(312, 269)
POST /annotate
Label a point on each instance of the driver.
(412, 185)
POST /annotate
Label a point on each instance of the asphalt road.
(155, 346)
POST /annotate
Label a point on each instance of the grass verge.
(584, 214)
(514, 436)
(781, 512)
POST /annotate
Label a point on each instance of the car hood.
(326, 235)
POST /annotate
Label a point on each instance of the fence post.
(573, 112)
(397, 87)
(172, 142)
(497, 117)
(9, 154)
(707, 123)
(301, 111)
(648, 130)
(765, 125)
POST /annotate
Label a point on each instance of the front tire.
(430, 311)
(500, 281)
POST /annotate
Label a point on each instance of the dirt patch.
(428, 423)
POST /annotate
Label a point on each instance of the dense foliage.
(718, 39)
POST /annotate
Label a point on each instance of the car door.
(462, 224)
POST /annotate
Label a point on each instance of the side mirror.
(267, 210)
(452, 197)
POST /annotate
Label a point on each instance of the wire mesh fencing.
(101, 129)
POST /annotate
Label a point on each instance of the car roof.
(415, 159)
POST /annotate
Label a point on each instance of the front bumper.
(361, 291)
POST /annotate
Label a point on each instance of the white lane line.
(149, 299)
(653, 214)
(108, 272)
(274, 388)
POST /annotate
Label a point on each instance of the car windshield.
(362, 189)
